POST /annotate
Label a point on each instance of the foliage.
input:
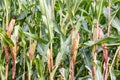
(60, 39)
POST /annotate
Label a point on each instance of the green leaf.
(69, 9)
(116, 24)
(5, 38)
(35, 37)
(100, 41)
(115, 1)
(23, 15)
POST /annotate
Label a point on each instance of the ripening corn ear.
(31, 55)
(75, 43)
(32, 49)
(50, 61)
(11, 26)
(105, 54)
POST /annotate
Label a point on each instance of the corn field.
(59, 39)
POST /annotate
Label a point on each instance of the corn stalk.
(14, 49)
(94, 51)
(31, 56)
(75, 43)
(50, 62)
(105, 55)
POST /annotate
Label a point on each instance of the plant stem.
(7, 59)
(106, 60)
(50, 62)
(109, 18)
(115, 56)
(23, 76)
(7, 21)
(118, 49)
(105, 51)
(72, 70)
(14, 70)
(29, 73)
(75, 43)
(5, 47)
(94, 50)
